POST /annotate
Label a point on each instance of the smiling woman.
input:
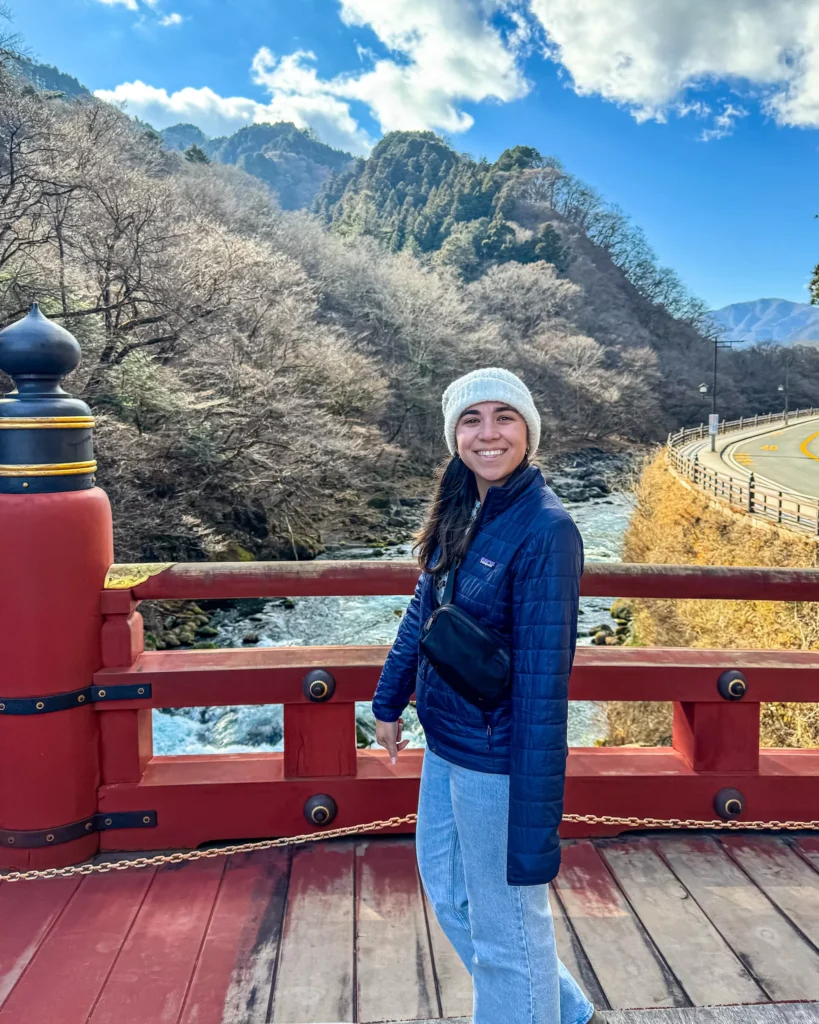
(491, 688)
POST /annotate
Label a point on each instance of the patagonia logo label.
(486, 561)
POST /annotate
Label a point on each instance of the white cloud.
(436, 57)
(132, 5)
(647, 54)
(221, 115)
(171, 19)
(441, 55)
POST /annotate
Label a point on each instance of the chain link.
(409, 819)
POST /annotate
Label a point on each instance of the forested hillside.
(255, 376)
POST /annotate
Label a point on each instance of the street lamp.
(784, 388)
(713, 424)
(703, 390)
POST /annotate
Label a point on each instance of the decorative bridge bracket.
(77, 829)
(72, 699)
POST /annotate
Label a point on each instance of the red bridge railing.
(239, 796)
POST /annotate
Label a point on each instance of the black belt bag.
(472, 658)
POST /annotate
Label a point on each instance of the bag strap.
(449, 589)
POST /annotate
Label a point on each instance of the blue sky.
(700, 120)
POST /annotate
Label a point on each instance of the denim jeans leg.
(517, 977)
(439, 856)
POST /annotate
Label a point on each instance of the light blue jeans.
(503, 933)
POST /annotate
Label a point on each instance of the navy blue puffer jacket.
(520, 576)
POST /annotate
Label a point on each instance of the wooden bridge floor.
(339, 931)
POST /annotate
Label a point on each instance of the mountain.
(417, 193)
(50, 79)
(291, 160)
(769, 319)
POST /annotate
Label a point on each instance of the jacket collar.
(499, 499)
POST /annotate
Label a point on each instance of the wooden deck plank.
(808, 846)
(32, 908)
(571, 953)
(774, 953)
(233, 978)
(314, 981)
(454, 980)
(394, 963)
(766, 1013)
(68, 971)
(786, 879)
(150, 978)
(628, 968)
(706, 967)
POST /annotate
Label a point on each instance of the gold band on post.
(47, 423)
(53, 469)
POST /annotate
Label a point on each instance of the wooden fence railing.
(751, 493)
(200, 798)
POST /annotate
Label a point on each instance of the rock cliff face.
(770, 319)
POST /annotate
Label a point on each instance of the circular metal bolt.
(25, 485)
(146, 820)
(109, 821)
(2, 707)
(81, 698)
(49, 839)
(732, 685)
(729, 804)
(318, 685)
(89, 825)
(320, 809)
(141, 690)
(39, 705)
(11, 840)
(101, 693)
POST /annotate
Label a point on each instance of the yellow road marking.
(804, 446)
(769, 447)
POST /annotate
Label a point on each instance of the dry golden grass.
(673, 524)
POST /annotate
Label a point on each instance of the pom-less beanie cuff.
(491, 384)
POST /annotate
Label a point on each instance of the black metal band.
(72, 699)
(77, 829)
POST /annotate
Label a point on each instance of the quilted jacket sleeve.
(545, 595)
(397, 679)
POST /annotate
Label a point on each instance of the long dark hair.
(449, 514)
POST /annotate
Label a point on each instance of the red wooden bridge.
(339, 930)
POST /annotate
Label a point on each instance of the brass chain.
(350, 830)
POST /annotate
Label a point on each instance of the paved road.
(786, 456)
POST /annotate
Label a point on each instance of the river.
(367, 620)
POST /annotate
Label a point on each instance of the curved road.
(788, 456)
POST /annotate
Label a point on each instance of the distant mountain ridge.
(291, 160)
(769, 320)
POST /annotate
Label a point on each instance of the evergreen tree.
(196, 155)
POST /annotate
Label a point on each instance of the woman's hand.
(388, 734)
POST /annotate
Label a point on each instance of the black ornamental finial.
(46, 441)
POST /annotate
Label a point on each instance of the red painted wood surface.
(718, 737)
(27, 913)
(55, 550)
(234, 974)
(151, 975)
(69, 969)
(126, 745)
(273, 675)
(319, 739)
(246, 795)
(195, 580)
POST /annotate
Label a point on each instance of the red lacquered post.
(56, 544)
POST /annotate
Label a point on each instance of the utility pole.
(785, 388)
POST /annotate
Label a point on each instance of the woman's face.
(491, 439)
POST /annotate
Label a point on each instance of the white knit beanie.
(492, 384)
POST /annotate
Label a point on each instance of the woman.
(491, 793)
